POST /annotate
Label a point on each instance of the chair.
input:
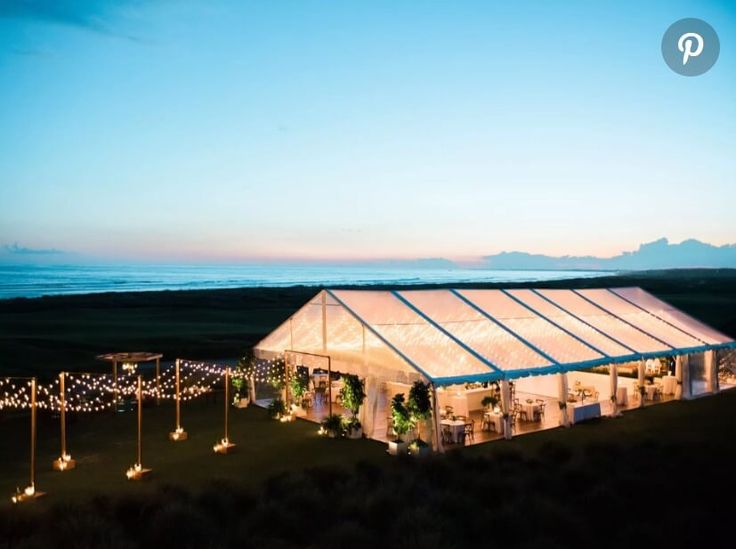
(447, 435)
(513, 418)
(542, 406)
(486, 424)
(469, 430)
(461, 418)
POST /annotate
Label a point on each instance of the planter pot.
(396, 448)
(331, 433)
(356, 433)
(422, 451)
(242, 403)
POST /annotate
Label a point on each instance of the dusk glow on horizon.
(311, 131)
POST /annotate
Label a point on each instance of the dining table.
(531, 410)
(457, 427)
(651, 391)
(495, 419)
(669, 384)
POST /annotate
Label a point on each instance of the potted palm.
(419, 407)
(353, 395)
(401, 423)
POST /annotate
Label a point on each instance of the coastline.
(43, 335)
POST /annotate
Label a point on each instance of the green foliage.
(276, 408)
(297, 386)
(352, 393)
(333, 424)
(400, 415)
(419, 404)
(490, 401)
(351, 424)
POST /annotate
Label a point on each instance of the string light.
(94, 392)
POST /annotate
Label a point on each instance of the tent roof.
(451, 336)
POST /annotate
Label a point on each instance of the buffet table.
(583, 412)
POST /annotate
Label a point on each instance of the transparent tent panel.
(352, 347)
(475, 330)
(539, 332)
(641, 319)
(571, 324)
(674, 316)
(606, 323)
(378, 334)
(432, 351)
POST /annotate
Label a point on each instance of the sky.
(197, 131)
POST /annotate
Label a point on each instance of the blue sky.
(198, 131)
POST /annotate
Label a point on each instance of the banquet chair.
(469, 430)
(447, 436)
(449, 410)
(542, 406)
(486, 424)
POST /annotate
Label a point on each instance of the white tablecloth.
(531, 410)
(496, 421)
(622, 396)
(651, 391)
(456, 427)
(669, 384)
(582, 412)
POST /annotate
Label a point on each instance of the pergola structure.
(449, 337)
(132, 358)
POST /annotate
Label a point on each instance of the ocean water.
(40, 280)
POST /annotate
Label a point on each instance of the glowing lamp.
(223, 447)
(29, 493)
(64, 463)
(178, 435)
(137, 472)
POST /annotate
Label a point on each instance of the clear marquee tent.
(453, 336)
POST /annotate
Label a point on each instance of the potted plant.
(298, 387)
(276, 409)
(419, 407)
(353, 395)
(419, 448)
(352, 427)
(401, 422)
(489, 402)
(332, 426)
(240, 386)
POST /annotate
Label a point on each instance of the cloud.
(93, 15)
(15, 249)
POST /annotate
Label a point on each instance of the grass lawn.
(104, 446)
(658, 476)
